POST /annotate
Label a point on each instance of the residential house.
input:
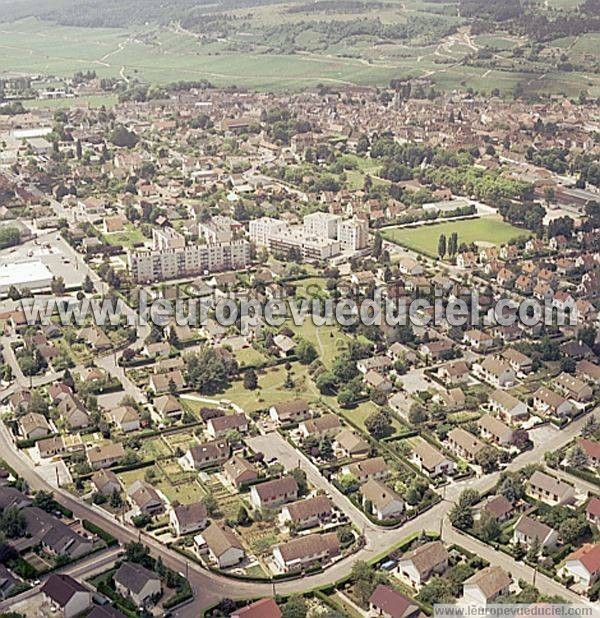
(145, 499)
(272, 494)
(592, 511)
(137, 583)
(416, 567)
(105, 455)
(239, 472)
(205, 455)
(495, 371)
(495, 430)
(520, 363)
(464, 444)
(549, 490)
(549, 402)
(573, 388)
(389, 603)
(164, 382)
(106, 482)
(529, 531)
(126, 418)
(478, 339)
(305, 551)
(591, 448)
(486, 586)
(380, 364)
(264, 608)
(454, 372)
(224, 547)
(385, 502)
(351, 444)
(307, 512)
(66, 594)
(326, 425)
(508, 407)
(373, 468)
(431, 461)
(34, 426)
(288, 412)
(378, 382)
(168, 407)
(590, 371)
(499, 507)
(583, 565)
(188, 518)
(220, 426)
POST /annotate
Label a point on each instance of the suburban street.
(209, 587)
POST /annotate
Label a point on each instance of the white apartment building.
(158, 265)
(353, 234)
(166, 238)
(262, 229)
(321, 237)
(218, 229)
(322, 225)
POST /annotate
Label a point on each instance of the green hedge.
(110, 540)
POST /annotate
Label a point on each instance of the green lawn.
(359, 414)
(424, 239)
(271, 388)
(249, 356)
(129, 237)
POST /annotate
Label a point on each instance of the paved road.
(273, 444)
(518, 570)
(84, 569)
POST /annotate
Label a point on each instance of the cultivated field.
(276, 50)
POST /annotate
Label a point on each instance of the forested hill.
(116, 13)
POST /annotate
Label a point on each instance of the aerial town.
(248, 468)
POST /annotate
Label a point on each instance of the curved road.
(210, 587)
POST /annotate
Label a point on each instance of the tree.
(243, 519)
(138, 553)
(250, 380)
(468, 497)
(210, 504)
(88, 285)
(123, 138)
(442, 246)
(306, 352)
(377, 245)
(300, 478)
(365, 581)
(45, 501)
(487, 528)
(511, 487)
(487, 458)
(326, 383)
(378, 424)
(210, 369)
(295, 607)
(417, 414)
(12, 523)
(534, 550)
(461, 517)
(576, 457)
(116, 501)
(57, 286)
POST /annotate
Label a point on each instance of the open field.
(424, 238)
(271, 388)
(164, 55)
(359, 414)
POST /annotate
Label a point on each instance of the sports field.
(424, 239)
